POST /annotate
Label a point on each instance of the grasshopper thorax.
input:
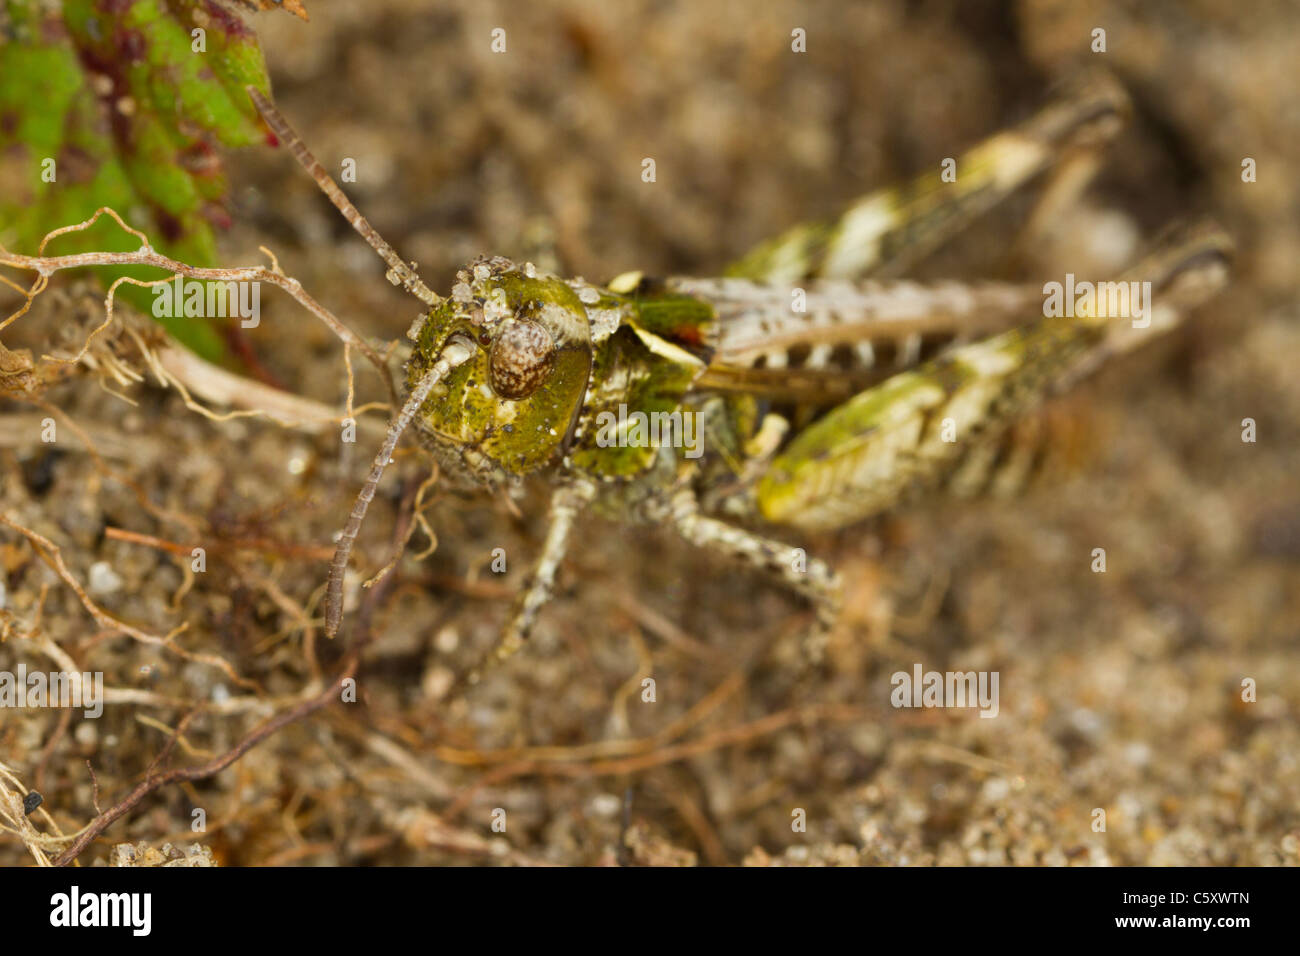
(512, 408)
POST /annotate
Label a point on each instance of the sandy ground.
(1119, 691)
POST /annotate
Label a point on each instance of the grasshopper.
(821, 397)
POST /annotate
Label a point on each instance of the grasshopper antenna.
(458, 350)
(399, 272)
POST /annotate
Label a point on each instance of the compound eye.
(522, 356)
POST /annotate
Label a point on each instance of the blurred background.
(1119, 691)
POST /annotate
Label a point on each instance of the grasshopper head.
(512, 407)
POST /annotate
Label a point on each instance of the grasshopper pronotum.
(893, 385)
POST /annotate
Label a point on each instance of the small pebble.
(996, 789)
(447, 640)
(103, 579)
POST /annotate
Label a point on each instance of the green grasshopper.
(820, 399)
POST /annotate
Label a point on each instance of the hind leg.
(885, 232)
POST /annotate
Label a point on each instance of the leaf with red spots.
(125, 103)
(289, 6)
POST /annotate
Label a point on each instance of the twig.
(50, 553)
(265, 545)
(728, 737)
(45, 266)
(216, 765)
(254, 737)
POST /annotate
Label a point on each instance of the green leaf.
(124, 103)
